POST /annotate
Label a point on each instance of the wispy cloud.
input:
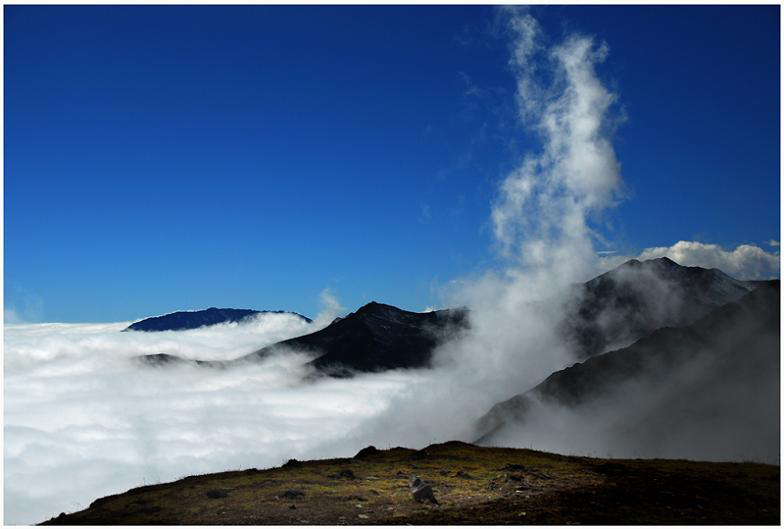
(547, 200)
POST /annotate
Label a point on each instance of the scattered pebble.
(292, 495)
(215, 494)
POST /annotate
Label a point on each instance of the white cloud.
(78, 407)
(543, 206)
(746, 261)
(773, 242)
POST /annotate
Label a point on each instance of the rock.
(421, 491)
(367, 451)
(215, 494)
(514, 467)
(291, 463)
(463, 474)
(292, 495)
(345, 474)
(355, 497)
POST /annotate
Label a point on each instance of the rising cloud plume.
(547, 200)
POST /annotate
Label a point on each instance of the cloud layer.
(79, 409)
(746, 261)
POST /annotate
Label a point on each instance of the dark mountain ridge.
(376, 337)
(684, 374)
(636, 298)
(194, 319)
(614, 308)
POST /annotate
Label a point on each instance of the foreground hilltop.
(472, 485)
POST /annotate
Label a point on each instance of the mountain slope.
(184, 320)
(615, 308)
(636, 298)
(714, 379)
(376, 337)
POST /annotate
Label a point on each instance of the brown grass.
(473, 485)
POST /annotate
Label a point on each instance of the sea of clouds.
(83, 418)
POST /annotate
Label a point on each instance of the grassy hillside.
(473, 485)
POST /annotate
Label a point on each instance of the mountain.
(611, 310)
(194, 319)
(376, 337)
(636, 298)
(712, 385)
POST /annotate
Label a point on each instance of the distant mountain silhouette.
(376, 337)
(611, 310)
(636, 298)
(184, 320)
(713, 379)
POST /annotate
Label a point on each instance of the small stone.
(292, 495)
(215, 494)
(363, 516)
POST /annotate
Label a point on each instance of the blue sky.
(161, 158)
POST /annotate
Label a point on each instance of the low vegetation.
(472, 485)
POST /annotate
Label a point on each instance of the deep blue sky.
(160, 158)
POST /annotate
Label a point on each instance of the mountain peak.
(664, 262)
(374, 307)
